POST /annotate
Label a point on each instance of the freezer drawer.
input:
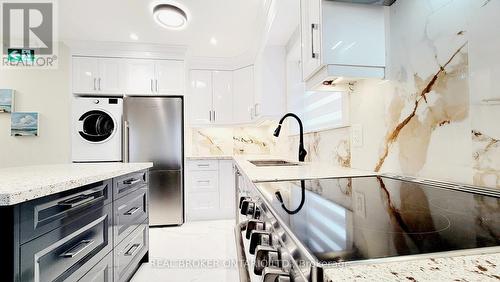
(128, 183)
(42, 215)
(130, 252)
(129, 212)
(166, 198)
(69, 251)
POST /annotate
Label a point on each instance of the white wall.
(48, 93)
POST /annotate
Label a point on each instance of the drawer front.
(203, 181)
(128, 183)
(130, 212)
(64, 252)
(101, 272)
(129, 253)
(202, 206)
(43, 215)
(203, 165)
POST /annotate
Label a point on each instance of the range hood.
(370, 2)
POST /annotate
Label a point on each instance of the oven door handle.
(240, 250)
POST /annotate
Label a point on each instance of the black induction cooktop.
(350, 219)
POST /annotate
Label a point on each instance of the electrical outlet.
(359, 204)
(357, 135)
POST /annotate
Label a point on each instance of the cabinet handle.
(94, 84)
(203, 165)
(313, 54)
(210, 115)
(203, 181)
(132, 250)
(152, 86)
(132, 211)
(214, 116)
(77, 201)
(131, 181)
(76, 249)
(255, 109)
(99, 83)
(157, 87)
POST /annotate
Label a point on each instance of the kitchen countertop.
(210, 157)
(21, 184)
(304, 171)
(459, 268)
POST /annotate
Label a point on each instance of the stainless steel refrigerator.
(153, 132)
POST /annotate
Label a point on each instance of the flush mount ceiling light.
(170, 16)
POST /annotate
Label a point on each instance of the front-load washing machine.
(97, 129)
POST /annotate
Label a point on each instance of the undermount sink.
(273, 163)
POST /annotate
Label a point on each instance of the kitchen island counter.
(21, 184)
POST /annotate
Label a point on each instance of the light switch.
(357, 135)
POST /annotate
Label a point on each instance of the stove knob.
(243, 199)
(266, 256)
(257, 238)
(273, 274)
(254, 224)
(247, 207)
(256, 213)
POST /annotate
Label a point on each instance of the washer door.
(97, 126)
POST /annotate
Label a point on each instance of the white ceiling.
(232, 22)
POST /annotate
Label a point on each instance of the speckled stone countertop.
(459, 268)
(303, 171)
(21, 184)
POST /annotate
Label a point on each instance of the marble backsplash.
(436, 116)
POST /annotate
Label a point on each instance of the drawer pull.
(131, 181)
(203, 181)
(132, 211)
(133, 250)
(76, 249)
(203, 165)
(77, 201)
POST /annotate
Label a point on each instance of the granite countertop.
(21, 184)
(304, 171)
(459, 268)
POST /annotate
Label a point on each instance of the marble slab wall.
(431, 118)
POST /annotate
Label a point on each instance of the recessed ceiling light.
(213, 41)
(170, 16)
(134, 36)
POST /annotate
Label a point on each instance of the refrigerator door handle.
(125, 142)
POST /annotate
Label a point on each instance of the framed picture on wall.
(24, 124)
(6, 100)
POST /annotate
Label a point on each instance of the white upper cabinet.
(244, 91)
(97, 76)
(140, 77)
(110, 76)
(211, 98)
(200, 98)
(341, 42)
(270, 83)
(222, 96)
(169, 77)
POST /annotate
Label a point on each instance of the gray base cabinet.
(98, 232)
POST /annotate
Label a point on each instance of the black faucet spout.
(302, 151)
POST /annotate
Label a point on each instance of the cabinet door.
(226, 189)
(243, 94)
(139, 77)
(85, 74)
(222, 96)
(169, 77)
(310, 12)
(109, 81)
(200, 98)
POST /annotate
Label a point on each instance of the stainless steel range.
(362, 220)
